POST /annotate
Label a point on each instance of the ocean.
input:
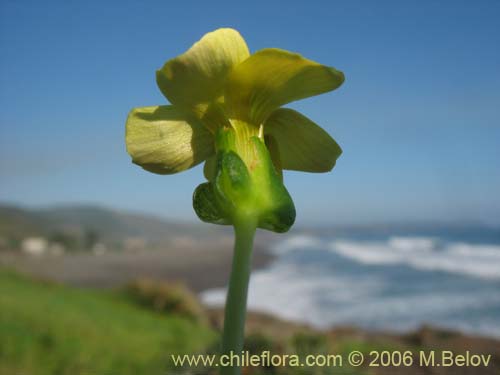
(381, 282)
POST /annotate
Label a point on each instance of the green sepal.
(205, 205)
(225, 139)
(209, 168)
(276, 208)
(233, 184)
(238, 192)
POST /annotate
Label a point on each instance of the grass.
(49, 329)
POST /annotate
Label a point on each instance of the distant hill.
(110, 225)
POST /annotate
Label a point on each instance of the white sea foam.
(315, 293)
(327, 300)
(412, 243)
(296, 242)
(293, 293)
(481, 261)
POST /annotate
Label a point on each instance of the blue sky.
(418, 116)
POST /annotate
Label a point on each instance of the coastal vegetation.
(48, 328)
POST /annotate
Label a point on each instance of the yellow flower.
(218, 87)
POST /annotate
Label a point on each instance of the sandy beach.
(200, 265)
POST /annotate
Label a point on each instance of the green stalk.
(236, 302)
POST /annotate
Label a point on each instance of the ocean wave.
(296, 242)
(340, 282)
(325, 300)
(291, 292)
(423, 253)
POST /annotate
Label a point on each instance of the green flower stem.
(236, 302)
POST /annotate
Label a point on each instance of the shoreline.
(199, 275)
(200, 266)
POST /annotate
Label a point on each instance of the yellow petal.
(164, 140)
(273, 77)
(198, 75)
(274, 152)
(302, 145)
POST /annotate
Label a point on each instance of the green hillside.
(48, 329)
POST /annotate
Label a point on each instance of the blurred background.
(104, 268)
